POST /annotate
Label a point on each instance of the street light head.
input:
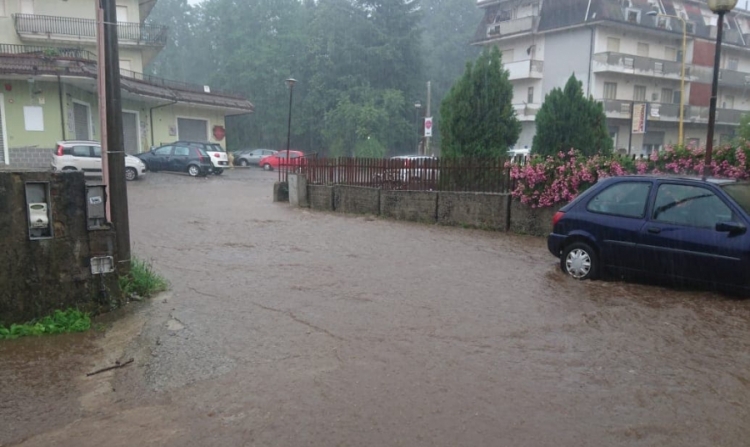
(290, 82)
(718, 6)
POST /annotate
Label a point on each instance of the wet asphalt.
(287, 327)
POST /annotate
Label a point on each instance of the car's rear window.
(215, 148)
(740, 192)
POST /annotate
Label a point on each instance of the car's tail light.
(60, 150)
(216, 154)
(556, 218)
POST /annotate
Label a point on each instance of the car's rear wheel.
(580, 261)
(218, 171)
(244, 163)
(267, 167)
(194, 171)
(131, 174)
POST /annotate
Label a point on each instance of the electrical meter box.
(38, 210)
(96, 206)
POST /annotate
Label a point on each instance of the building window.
(670, 53)
(2, 8)
(530, 97)
(126, 69)
(610, 90)
(639, 93)
(667, 95)
(733, 63)
(676, 97)
(122, 13)
(613, 44)
(642, 49)
(633, 15)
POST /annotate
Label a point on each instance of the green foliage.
(568, 120)
(60, 322)
(478, 119)
(743, 132)
(142, 280)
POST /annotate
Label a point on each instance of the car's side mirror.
(731, 227)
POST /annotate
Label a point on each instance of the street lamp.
(681, 134)
(417, 106)
(290, 83)
(719, 7)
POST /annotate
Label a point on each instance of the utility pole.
(428, 115)
(101, 82)
(118, 193)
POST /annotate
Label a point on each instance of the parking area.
(288, 327)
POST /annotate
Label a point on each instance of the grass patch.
(142, 280)
(60, 322)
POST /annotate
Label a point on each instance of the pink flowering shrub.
(548, 181)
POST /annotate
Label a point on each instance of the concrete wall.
(527, 220)
(320, 197)
(419, 206)
(356, 200)
(298, 190)
(39, 276)
(473, 209)
(480, 210)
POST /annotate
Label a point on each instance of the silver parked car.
(86, 156)
(248, 158)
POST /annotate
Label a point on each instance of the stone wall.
(477, 210)
(320, 197)
(298, 190)
(534, 221)
(356, 200)
(39, 276)
(30, 158)
(419, 206)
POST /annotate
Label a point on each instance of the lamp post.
(290, 83)
(417, 106)
(719, 7)
(681, 133)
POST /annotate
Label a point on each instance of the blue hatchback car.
(679, 228)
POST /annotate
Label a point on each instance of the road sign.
(428, 126)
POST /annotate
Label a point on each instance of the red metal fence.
(415, 174)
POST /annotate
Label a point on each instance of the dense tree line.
(360, 65)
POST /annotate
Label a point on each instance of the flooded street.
(286, 327)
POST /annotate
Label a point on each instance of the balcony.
(36, 28)
(639, 65)
(727, 78)
(668, 112)
(514, 26)
(528, 69)
(526, 112)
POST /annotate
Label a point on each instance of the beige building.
(625, 52)
(48, 86)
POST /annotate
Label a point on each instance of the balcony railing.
(620, 109)
(727, 78)
(525, 69)
(68, 28)
(29, 58)
(512, 26)
(628, 63)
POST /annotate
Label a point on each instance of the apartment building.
(625, 52)
(48, 82)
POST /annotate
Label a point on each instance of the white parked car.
(86, 156)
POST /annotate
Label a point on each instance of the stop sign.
(428, 126)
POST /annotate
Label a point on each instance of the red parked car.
(278, 159)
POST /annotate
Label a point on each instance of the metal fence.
(414, 174)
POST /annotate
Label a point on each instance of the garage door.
(130, 132)
(81, 121)
(192, 129)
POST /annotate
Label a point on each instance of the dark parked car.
(678, 228)
(178, 157)
(251, 157)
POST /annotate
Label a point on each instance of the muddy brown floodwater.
(286, 327)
